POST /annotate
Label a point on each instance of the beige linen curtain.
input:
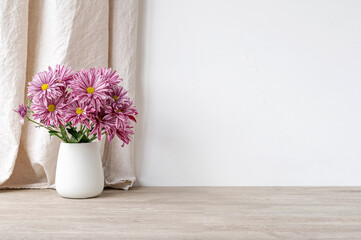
(37, 33)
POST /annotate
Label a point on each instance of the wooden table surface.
(185, 213)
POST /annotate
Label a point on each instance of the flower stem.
(63, 133)
(93, 138)
(35, 122)
(81, 136)
(40, 125)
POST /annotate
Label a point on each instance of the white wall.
(249, 93)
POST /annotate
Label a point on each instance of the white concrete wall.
(244, 93)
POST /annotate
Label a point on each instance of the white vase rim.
(78, 143)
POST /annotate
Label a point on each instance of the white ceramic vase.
(79, 171)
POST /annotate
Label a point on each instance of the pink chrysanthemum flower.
(22, 111)
(62, 73)
(124, 112)
(117, 95)
(122, 106)
(90, 88)
(45, 85)
(49, 111)
(77, 112)
(103, 120)
(110, 76)
(123, 134)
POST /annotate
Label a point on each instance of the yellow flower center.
(79, 110)
(99, 118)
(45, 86)
(90, 90)
(51, 108)
(119, 110)
(115, 97)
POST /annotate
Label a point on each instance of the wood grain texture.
(185, 213)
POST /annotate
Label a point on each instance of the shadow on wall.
(140, 127)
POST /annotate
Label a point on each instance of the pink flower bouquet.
(79, 107)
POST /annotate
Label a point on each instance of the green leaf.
(73, 132)
(53, 132)
(84, 139)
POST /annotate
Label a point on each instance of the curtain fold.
(80, 34)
